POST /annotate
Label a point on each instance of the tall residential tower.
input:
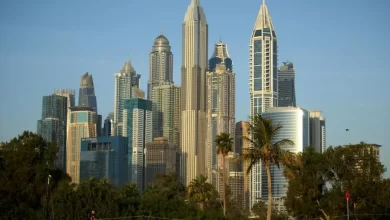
(263, 79)
(160, 64)
(220, 106)
(193, 95)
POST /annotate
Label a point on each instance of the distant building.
(161, 157)
(295, 127)
(220, 112)
(82, 125)
(242, 130)
(166, 112)
(52, 126)
(126, 81)
(137, 126)
(108, 125)
(317, 131)
(286, 85)
(160, 64)
(104, 158)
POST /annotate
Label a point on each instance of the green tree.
(224, 145)
(201, 192)
(260, 210)
(266, 149)
(25, 164)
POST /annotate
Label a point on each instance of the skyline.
(78, 44)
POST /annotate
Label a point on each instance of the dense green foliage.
(316, 189)
(318, 184)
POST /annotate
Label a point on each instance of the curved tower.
(193, 92)
(160, 64)
(263, 80)
(87, 92)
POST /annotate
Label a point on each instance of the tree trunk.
(269, 205)
(224, 185)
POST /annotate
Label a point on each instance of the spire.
(263, 20)
(161, 30)
(195, 12)
(127, 67)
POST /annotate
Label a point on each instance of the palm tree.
(224, 146)
(200, 191)
(264, 148)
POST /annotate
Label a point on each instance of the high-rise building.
(82, 125)
(137, 127)
(263, 79)
(295, 127)
(160, 158)
(71, 101)
(108, 125)
(242, 130)
(87, 92)
(52, 125)
(166, 112)
(125, 82)
(104, 158)
(220, 81)
(193, 92)
(317, 131)
(286, 85)
(160, 64)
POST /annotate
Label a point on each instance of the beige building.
(317, 131)
(193, 92)
(82, 124)
(242, 130)
(220, 105)
(160, 157)
(166, 112)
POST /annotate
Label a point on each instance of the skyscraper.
(263, 81)
(160, 158)
(125, 82)
(137, 127)
(317, 131)
(70, 96)
(87, 92)
(82, 125)
(52, 126)
(220, 105)
(242, 130)
(286, 85)
(166, 112)
(193, 95)
(295, 127)
(160, 64)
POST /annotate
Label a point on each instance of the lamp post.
(347, 197)
(47, 196)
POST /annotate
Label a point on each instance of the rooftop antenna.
(161, 30)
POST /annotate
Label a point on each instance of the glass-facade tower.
(286, 85)
(263, 79)
(295, 126)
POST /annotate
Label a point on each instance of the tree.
(224, 146)
(266, 149)
(26, 163)
(260, 210)
(201, 192)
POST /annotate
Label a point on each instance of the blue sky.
(340, 49)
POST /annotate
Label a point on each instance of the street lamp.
(47, 196)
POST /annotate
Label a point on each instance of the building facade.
(193, 92)
(52, 125)
(108, 125)
(286, 85)
(295, 127)
(82, 125)
(160, 158)
(137, 127)
(87, 95)
(317, 131)
(124, 86)
(104, 158)
(263, 79)
(220, 81)
(160, 64)
(166, 112)
(242, 130)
